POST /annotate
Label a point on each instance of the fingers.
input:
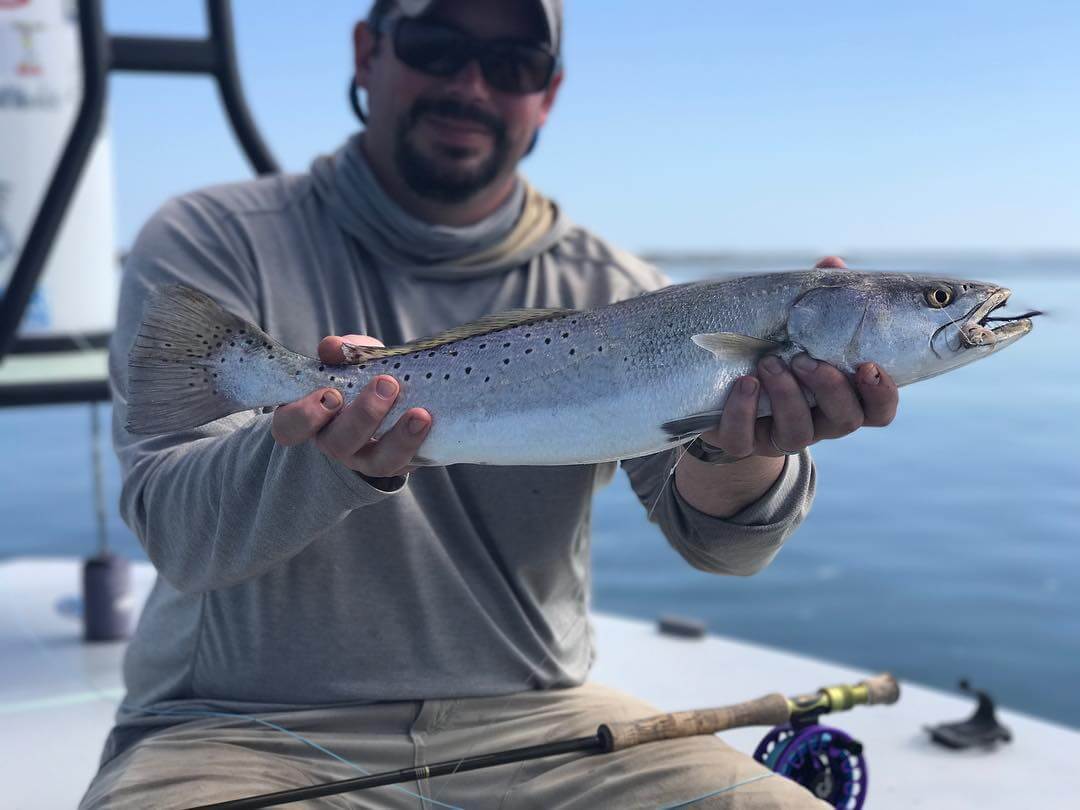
(831, 262)
(348, 439)
(354, 427)
(330, 347)
(299, 421)
(735, 433)
(838, 410)
(879, 394)
(792, 426)
(391, 454)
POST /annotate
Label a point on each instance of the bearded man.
(321, 605)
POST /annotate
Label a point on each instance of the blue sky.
(697, 124)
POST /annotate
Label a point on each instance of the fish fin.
(732, 344)
(179, 341)
(692, 425)
(489, 323)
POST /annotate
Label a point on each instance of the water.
(943, 546)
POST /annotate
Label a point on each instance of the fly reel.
(824, 760)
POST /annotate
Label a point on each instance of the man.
(321, 605)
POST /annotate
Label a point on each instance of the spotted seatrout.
(575, 387)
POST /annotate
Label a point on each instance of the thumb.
(330, 347)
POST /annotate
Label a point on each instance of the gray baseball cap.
(552, 10)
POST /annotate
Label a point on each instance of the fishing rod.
(773, 709)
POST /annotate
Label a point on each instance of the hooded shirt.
(286, 579)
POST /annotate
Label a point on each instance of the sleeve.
(222, 503)
(740, 545)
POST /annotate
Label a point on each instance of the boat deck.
(57, 698)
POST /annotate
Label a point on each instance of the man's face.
(451, 137)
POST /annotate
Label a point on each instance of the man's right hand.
(345, 434)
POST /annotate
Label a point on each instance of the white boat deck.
(57, 697)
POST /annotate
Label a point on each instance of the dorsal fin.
(483, 326)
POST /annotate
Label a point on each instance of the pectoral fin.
(732, 345)
(692, 425)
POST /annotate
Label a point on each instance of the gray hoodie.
(286, 579)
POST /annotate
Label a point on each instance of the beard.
(443, 177)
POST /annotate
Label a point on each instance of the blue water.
(946, 545)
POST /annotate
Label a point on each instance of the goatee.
(441, 180)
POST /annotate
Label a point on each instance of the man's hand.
(345, 434)
(842, 406)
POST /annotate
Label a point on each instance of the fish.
(562, 386)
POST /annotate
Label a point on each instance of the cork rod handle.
(770, 710)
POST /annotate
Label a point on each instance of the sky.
(695, 125)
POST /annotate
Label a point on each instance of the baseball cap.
(552, 11)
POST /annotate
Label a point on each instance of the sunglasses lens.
(440, 50)
(517, 68)
(435, 49)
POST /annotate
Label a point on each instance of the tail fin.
(171, 368)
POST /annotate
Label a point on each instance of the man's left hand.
(843, 406)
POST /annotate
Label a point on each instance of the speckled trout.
(556, 386)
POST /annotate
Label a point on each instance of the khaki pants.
(214, 759)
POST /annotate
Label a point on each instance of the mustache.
(452, 108)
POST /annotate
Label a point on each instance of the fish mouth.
(975, 331)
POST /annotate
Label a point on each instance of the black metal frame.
(214, 55)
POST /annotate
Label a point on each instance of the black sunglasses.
(438, 49)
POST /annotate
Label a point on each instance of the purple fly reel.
(824, 760)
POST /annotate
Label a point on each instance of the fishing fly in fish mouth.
(556, 387)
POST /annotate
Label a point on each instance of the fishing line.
(670, 474)
(716, 792)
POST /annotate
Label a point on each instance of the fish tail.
(172, 383)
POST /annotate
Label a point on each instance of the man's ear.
(549, 96)
(364, 46)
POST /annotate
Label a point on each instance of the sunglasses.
(508, 65)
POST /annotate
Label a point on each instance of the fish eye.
(939, 296)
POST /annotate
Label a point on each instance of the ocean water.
(944, 546)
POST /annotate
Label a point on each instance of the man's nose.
(470, 79)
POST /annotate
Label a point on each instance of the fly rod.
(772, 709)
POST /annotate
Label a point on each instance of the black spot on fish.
(547, 340)
(397, 365)
(468, 369)
(431, 354)
(566, 334)
(528, 351)
(528, 334)
(571, 351)
(446, 376)
(322, 368)
(506, 361)
(483, 345)
(573, 321)
(406, 378)
(428, 375)
(506, 345)
(169, 345)
(228, 330)
(269, 357)
(331, 378)
(384, 362)
(600, 348)
(453, 354)
(486, 379)
(349, 385)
